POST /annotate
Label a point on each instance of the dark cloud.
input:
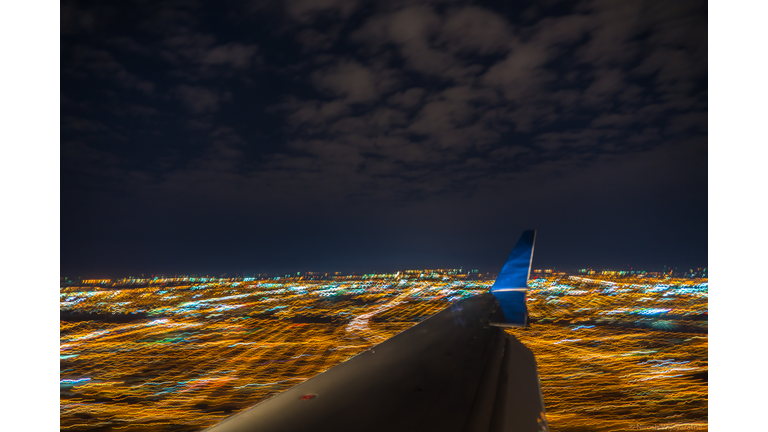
(475, 31)
(200, 49)
(199, 99)
(349, 80)
(86, 62)
(333, 113)
(407, 99)
(306, 11)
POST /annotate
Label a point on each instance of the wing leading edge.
(455, 371)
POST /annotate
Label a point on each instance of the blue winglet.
(512, 283)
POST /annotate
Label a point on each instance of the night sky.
(341, 135)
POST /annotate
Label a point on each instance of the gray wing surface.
(452, 372)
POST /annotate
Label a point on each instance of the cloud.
(310, 116)
(450, 118)
(80, 124)
(201, 49)
(474, 30)
(563, 32)
(234, 54)
(169, 17)
(312, 40)
(606, 84)
(308, 10)
(613, 32)
(520, 73)
(407, 99)
(411, 30)
(377, 98)
(76, 20)
(198, 99)
(85, 62)
(348, 80)
(147, 113)
(373, 124)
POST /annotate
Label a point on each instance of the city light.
(613, 352)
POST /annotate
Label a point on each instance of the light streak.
(204, 345)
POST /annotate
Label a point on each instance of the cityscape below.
(313, 275)
(616, 350)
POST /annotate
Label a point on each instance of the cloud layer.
(378, 104)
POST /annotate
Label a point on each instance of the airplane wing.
(455, 371)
